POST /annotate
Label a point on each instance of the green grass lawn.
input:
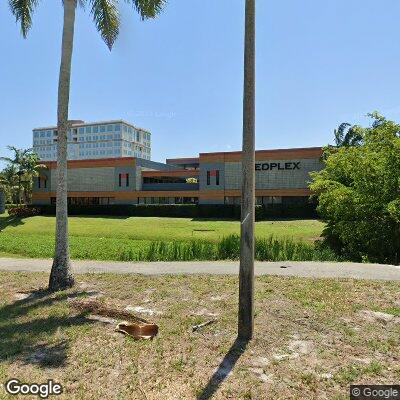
(106, 237)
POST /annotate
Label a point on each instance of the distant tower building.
(107, 139)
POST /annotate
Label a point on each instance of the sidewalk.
(286, 268)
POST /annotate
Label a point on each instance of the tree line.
(16, 179)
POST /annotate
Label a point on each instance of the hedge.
(24, 211)
(217, 211)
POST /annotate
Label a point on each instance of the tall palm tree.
(106, 18)
(18, 162)
(246, 273)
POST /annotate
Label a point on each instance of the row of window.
(48, 156)
(42, 141)
(49, 142)
(260, 200)
(168, 200)
(95, 129)
(96, 201)
(99, 137)
(99, 144)
(100, 128)
(94, 153)
(87, 201)
(130, 130)
(99, 152)
(118, 143)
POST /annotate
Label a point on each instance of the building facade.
(282, 177)
(95, 140)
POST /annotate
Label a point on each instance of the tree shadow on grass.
(28, 328)
(224, 369)
(10, 221)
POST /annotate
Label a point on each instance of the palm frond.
(340, 133)
(106, 17)
(148, 8)
(23, 10)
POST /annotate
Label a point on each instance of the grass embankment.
(311, 338)
(142, 238)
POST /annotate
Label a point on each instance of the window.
(217, 177)
(208, 178)
(95, 129)
(88, 129)
(117, 128)
(121, 177)
(102, 128)
(43, 180)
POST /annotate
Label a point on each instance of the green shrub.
(359, 192)
(9, 205)
(217, 211)
(23, 211)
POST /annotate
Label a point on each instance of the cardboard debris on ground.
(134, 326)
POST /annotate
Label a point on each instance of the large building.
(282, 177)
(94, 140)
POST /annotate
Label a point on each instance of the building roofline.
(80, 124)
(187, 160)
(265, 150)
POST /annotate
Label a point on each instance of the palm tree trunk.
(246, 273)
(19, 189)
(61, 276)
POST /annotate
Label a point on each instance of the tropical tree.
(106, 18)
(31, 168)
(359, 195)
(17, 165)
(246, 274)
(9, 183)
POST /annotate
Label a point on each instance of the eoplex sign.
(290, 165)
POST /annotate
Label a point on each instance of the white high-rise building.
(106, 139)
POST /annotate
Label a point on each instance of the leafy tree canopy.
(359, 193)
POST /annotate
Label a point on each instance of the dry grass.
(311, 340)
